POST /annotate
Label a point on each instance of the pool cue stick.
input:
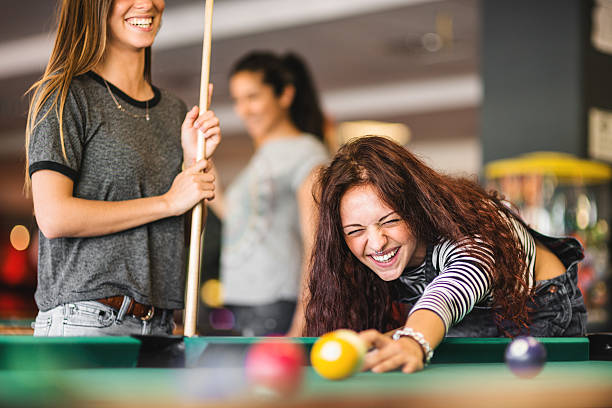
(199, 211)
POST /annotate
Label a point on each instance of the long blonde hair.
(80, 43)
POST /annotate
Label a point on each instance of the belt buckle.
(149, 315)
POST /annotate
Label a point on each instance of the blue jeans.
(90, 318)
(557, 309)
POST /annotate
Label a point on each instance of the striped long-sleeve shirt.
(462, 280)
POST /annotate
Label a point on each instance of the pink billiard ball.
(275, 366)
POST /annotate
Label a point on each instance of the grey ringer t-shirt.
(113, 156)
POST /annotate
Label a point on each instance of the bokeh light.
(14, 267)
(212, 293)
(583, 212)
(20, 237)
(432, 42)
(222, 319)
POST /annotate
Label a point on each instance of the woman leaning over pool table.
(396, 236)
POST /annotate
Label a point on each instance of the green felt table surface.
(103, 372)
(156, 386)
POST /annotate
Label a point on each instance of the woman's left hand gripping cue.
(208, 124)
(387, 354)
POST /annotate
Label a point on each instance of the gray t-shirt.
(261, 255)
(113, 156)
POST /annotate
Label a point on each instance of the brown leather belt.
(138, 310)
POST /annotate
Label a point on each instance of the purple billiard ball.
(525, 357)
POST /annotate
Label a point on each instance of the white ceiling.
(367, 57)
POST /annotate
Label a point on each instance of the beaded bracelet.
(419, 338)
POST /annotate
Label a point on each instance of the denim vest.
(557, 308)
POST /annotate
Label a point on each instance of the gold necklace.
(122, 109)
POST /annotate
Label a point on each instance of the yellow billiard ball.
(338, 354)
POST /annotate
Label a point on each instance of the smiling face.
(258, 106)
(133, 24)
(377, 235)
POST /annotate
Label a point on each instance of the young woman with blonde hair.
(105, 152)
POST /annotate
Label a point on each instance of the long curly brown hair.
(344, 293)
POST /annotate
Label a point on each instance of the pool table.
(208, 371)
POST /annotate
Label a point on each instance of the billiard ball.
(275, 367)
(338, 354)
(525, 357)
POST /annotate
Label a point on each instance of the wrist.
(417, 337)
(165, 205)
(188, 162)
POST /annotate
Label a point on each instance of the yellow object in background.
(561, 195)
(211, 293)
(563, 166)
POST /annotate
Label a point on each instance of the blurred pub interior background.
(474, 82)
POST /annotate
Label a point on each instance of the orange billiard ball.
(338, 354)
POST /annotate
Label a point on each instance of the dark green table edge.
(27, 352)
(461, 350)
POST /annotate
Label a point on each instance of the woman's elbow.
(50, 229)
(51, 195)
(52, 226)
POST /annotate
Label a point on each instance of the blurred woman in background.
(269, 212)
